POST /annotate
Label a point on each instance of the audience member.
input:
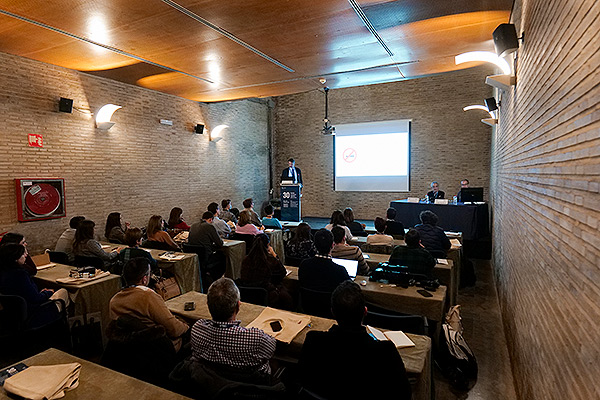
(176, 220)
(245, 225)
(262, 268)
(380, 238)
(65, 241)
(319, 272)
(85, 244)
(356, 228)
(254, 218)
(13, 237)
(432, 236)
(14, 280)
(393, 227)
(337, 219)
(269, 221)
(330, 360)
(413, 255)
(204, 234)
(463, 184)
(235, 212)
(226, 212)
(156, 233)
(133, 239)
(139, 301)
(114, 231)
(435, 192)
(301, 246)
(221, 226)
(341, 249)
(223, 341)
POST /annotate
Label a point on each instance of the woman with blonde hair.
(156, 233)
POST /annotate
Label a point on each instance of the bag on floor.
(456, 359)
(167, 288)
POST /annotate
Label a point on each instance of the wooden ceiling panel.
(157, 46)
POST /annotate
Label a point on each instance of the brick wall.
(138, 167)
(447, 144)
(546, 202)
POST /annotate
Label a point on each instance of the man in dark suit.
(292, 173)
(435, 192)
(331, 361)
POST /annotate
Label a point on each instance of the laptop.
(350, 265)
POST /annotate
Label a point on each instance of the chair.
(377, 248)
(89, 261)
(315, 302)
(59, 257)
(253, 294)
(249, 239)
(156, 245)
(293, 261)
(416, 324)
(437, 253)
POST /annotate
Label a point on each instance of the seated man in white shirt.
(65, 241)
(379, 237)
(221, 226)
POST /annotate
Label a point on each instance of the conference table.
(417, 360)
(89, 297)
(470, 219)
(97, 382)
(445, 271)
(389, 296)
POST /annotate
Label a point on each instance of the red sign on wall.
(35, 140)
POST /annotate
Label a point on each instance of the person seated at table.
(14, 280)
(245, 225)
(13, 237)
(356, 228)
(139, 301)
(380, 238)
(463, 184)
(262, 268)
(337, 219)
(254, 217)
(341, 249)
(320, 273)
(329, 361)
(85, 244)
(114, 231)
(301, 246)
(435, 192)
(221, 226)
(65, 241)
(393, 227)
(432, 236)
(176, 220)
(223, 341)
(133, 239)
(226, 212)
(413, 255)
(269, 221)
(156, 233)
(204, 234)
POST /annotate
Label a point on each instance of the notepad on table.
(399, 339)
(171, 256)
(442, 261)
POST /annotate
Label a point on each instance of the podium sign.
(290, 202)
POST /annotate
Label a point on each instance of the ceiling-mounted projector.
(328, 129)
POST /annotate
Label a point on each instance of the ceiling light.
(484, 56)
(104, 114)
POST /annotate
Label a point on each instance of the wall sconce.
(104, 114)
(215, 132)
(479, 107)
(484, 56)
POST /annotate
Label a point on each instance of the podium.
(290, 202)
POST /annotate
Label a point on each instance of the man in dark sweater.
(319, 272)
(432, 236)
(393, 227)
(330, 361)
(413, 255)
(204, 234)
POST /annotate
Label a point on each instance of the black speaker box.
(490, 103)
(65, 105)
(505, 39)
(199, 129)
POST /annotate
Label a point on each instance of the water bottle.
(454, 200)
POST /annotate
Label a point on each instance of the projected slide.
(372, 156)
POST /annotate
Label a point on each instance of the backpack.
(456, 359)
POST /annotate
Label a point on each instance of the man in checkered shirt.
(223, 341)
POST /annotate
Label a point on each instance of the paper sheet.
(45, 266)
(442, 261)
(399, 339)
(291, 323)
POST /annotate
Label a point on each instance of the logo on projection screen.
(349, 155)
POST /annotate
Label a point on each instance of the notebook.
(350, 265)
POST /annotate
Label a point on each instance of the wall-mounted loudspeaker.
(505, 39)
(199, 129)
(65, 105)
(490, 103)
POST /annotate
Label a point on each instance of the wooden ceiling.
(215, 50)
